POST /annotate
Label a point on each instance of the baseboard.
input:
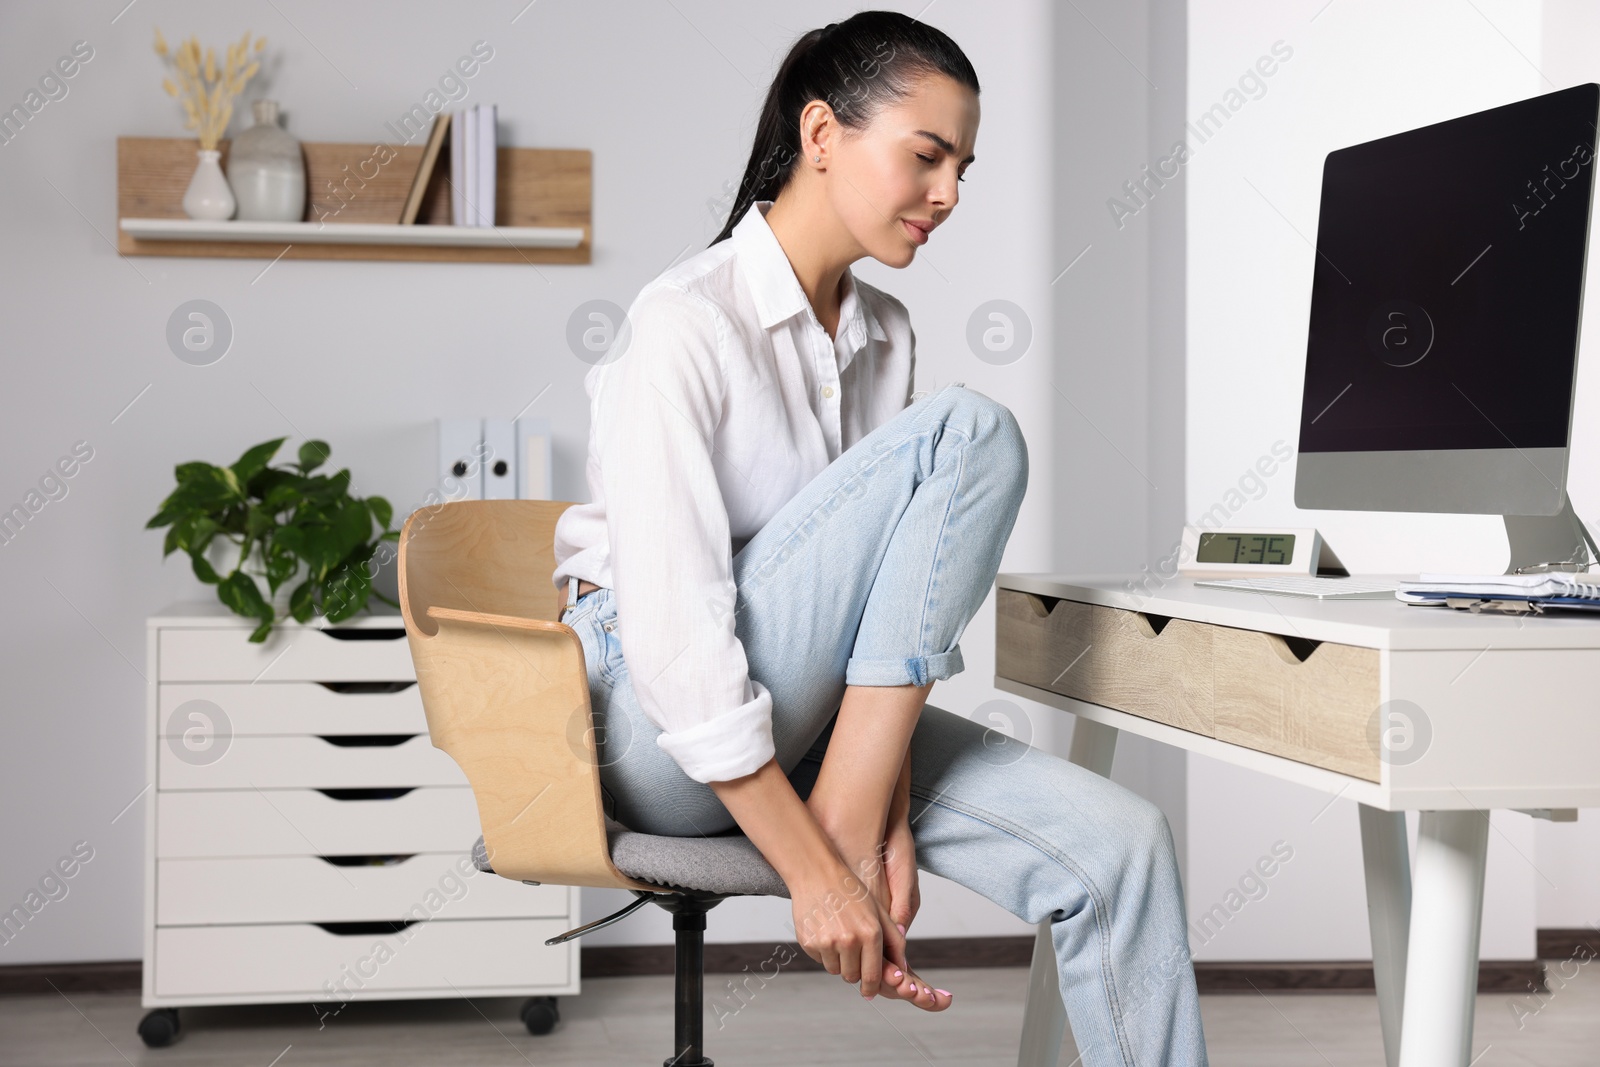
(1352, 976)
(1567, 943)
(100, 976)
(934, 953)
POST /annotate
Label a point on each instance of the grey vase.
(267, 169)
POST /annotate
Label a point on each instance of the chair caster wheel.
(540, 1014)
(159, 1027)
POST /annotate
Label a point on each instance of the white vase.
(208, 195)
(267, 170)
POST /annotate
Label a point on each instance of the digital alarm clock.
(1246, 551)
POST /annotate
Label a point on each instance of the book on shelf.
(469, 139)
(487, 142)
(430, 160)
(458, 167)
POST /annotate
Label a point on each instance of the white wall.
(1358, 71)
(366, 354)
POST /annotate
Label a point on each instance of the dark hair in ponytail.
(857, 67)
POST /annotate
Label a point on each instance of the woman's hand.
(886, 873)
(843, 924)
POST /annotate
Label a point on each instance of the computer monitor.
(1445, 303)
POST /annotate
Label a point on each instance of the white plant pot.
(209, 196)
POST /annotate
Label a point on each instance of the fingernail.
(946, 992)
(897, 974)
(901, 927)
(913, 987)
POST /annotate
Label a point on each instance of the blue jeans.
(868, 576)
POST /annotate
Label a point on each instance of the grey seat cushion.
(728, 864)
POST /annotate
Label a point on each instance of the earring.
(816, 159)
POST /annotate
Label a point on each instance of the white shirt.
(728, 398)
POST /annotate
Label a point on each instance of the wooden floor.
(798, 1018)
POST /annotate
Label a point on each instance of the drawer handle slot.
(374, 793)
(370, 860)
(1151, 624)
(380, 926)
(385, 633)
(367, 740)
(1299, 648)
(367, 687)
(1042, 605)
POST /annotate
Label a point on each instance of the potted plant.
(283, 519)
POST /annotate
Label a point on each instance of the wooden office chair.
(506, 692)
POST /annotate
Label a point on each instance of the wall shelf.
(355, 194)
(364, 233)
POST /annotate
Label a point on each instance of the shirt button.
(608, 627)
(827, 390)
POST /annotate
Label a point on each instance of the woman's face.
(899, 177)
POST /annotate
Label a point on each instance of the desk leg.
(1442, 951)
(1386, 856)
(1044, 1020)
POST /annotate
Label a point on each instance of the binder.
(499, 460)
(461, 459)
(535, 462)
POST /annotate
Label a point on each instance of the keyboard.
(1322, 588)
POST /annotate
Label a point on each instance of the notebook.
(1574, 590)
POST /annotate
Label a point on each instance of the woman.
(785, 545)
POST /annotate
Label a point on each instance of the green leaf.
(382, 511)
(239, 593)
(259, 634)
(350, 596)
(203, 569)
(313, 454)
(290, 536)
(170, 545)
(354, 527)
(280, 568)
(259, 521)
(300, 606)
(256, 459)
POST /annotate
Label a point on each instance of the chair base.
(688, 908)
(689, 925)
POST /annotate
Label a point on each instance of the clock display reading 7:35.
(1245, 548)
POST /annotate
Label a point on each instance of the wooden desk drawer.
(298, 822)
(297, 707)
(1145, 665)
(308, 889)
(300, 958)
(1315, 711)
(1241, 686)
(310, 763)
(291, 654)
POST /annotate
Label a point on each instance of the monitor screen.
(1448, 282)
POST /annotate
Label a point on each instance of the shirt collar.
(777, 291)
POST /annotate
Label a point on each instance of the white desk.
(1360, 702)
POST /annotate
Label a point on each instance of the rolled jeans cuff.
(918, 670)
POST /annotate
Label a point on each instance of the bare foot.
(910, 986)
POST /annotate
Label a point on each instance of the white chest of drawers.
(306, 842)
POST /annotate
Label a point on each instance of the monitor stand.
(1559, 538)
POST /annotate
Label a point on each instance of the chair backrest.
(505, 687)
(489, 556)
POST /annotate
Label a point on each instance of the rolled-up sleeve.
(656, 412)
